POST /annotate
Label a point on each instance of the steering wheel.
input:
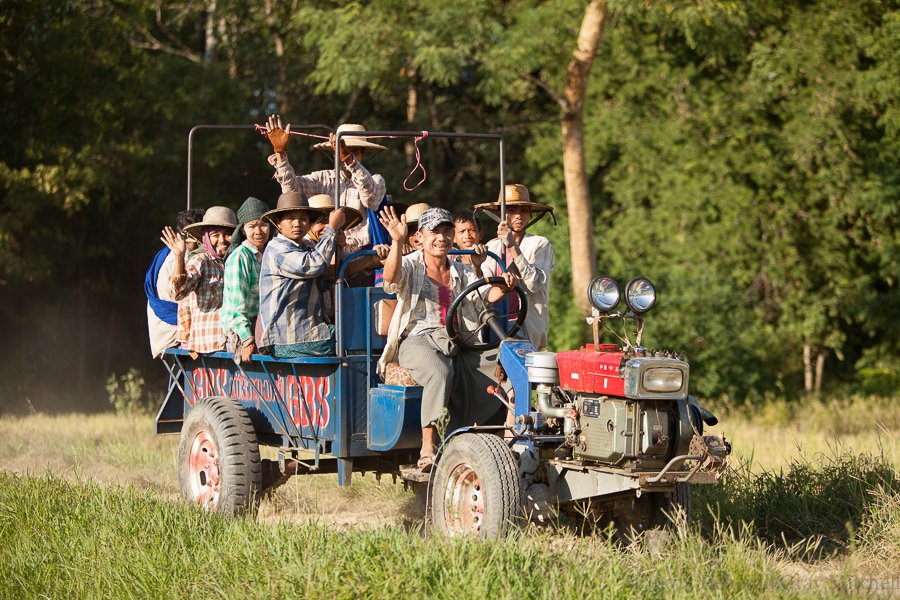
(488, 317)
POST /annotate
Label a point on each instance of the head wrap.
(251, 210)
(433, 217)
(207, 242)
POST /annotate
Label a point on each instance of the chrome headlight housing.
(604, 293)
(640, 295)
(662, 380)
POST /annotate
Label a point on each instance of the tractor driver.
(426, 283)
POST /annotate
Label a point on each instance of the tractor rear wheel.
(476, 489)
(218, 457)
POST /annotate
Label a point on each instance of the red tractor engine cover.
(587, 370)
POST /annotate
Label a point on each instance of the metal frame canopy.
(421, 135)
(190, 156)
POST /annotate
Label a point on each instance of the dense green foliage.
(740, 155)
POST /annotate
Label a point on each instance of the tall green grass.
(63, 539)
(821, 503)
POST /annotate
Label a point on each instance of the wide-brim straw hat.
(325, 203)
(517, 195)
(215, 216)
(292, 201)
(350, 141)
(414, 212)
(251, 210)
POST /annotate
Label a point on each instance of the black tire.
(218, 457)
(476, 489)
(669, 507)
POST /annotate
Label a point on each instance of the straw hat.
(352, 142)
(292, 201)
(215, 216)
(414, 212)
(326, 204)
(517, 196)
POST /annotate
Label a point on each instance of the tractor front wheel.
(218, 457)
(476, 489)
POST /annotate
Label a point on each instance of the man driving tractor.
(426, 283)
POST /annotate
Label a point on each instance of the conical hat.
(350, 141)
(326, 204)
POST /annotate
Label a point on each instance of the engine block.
(632, 433)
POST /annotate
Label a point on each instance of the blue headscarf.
(377, 233)
(166, 311)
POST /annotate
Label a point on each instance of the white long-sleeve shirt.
(362, 191)
(535, 264)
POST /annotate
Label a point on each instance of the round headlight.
(604, 293)
(640, 295)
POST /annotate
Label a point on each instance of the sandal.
(425, 463)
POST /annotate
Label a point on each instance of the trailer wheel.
(476, 489)
(218, 457)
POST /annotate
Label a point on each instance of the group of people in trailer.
(261, 280)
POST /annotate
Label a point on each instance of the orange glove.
(280, 139)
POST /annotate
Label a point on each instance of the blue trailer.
(623, 450)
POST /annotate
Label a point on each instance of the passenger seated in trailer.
(193, 248)
(467, 236)
(201, 282)
(367, 264)
(413, 213)
(426, 283)
(162, 309)
(360, 190)
(290, 302)
(240, 305)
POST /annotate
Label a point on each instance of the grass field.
(89, 508)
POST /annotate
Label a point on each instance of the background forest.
(742, 155)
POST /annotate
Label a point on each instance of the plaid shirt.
(290, 305)
(361, 192)
(408, 291)
(201, 287)
(241, 301)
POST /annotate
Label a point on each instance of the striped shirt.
(201, 287)
(290, 306)
(409, 289)
(362, 191)
(240, 304)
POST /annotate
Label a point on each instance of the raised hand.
(346, 155)
(174, 241)
(397, 228)
(279, 137)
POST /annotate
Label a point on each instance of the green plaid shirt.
(241, 301)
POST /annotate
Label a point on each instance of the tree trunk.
(807, 368)
(820, 368)
(578, 195)
(210, 41)
(412, 101)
